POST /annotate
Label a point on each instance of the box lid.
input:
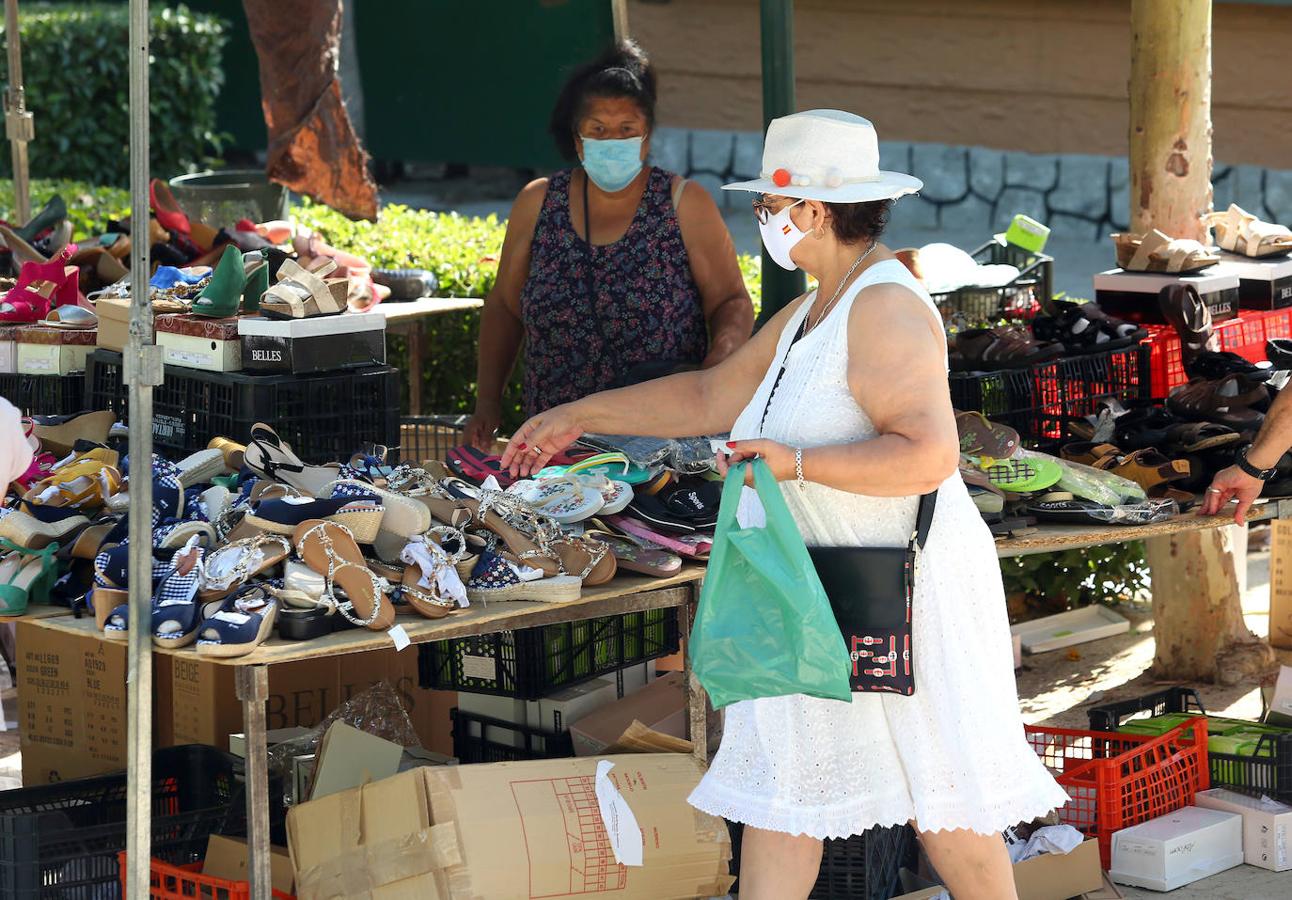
(1175, 825)
(197, 326)
(1208, 281)
(43, 334)
(315, 326)
(1256, 269)
(1235, 801)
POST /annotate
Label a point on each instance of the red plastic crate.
(1245, 335)
(187, 882)
(1118, 780)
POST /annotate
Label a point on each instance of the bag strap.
(924, 518)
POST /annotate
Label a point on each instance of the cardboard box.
(660, 706)
(1281, 586)
(1133, 295)
(1176, 849)
(42, 350)
(1262, 283)
(199, 342)
(226, 857)
(204, 708)
(543, 817)
(369, 842)
(1050, 876)
(114, 322)
(8, 349)
(316, 344)
(72, 704)
(1279, 706)
(1267, 826)
(348, 758)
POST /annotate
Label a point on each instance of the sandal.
(1157, 252)
(613, 465)
(229, 567)
(359, 511)
(631, 556)
(1063, 508)
(1024, 476)
(494, 578)
(430, 583)
(475, 466)
(1154, 472)
(270, 456)
(330, 550)
(404, 517)
(1238, 231)
(239, 623)
(26, 577)
(1185, 310)
(527, 535)
(35, 527)
(59, 434)
(1228, 401)
(1195, 437)
(1086, 328)
(84, 484)
(1142, 427)
(304, 293)
(176, 612)
(165, 209)
(231, 450)
(1005, 347)
(565, 500)
(1090, 453)
(979, 436)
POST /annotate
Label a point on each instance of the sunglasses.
(763, 208)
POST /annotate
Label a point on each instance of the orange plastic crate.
(169, 882)
(1245, 335)
(1118, 780)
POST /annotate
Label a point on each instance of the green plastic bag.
(764, 627)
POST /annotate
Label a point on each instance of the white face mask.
(780, 235)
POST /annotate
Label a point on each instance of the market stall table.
(409, 317)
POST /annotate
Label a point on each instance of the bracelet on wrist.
(1249, 468)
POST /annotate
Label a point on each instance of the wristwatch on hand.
(1241, 461)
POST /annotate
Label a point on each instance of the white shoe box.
(8, 349)
(1179, 848)
(1267, 826)
(563, 707)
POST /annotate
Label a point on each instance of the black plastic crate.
(62, 840)
(862, 867)
(45, 395)
(483, 739)
(325, 417)
(530, 663)
(430, 437)
(1022, 298)
(1268, 771)
(1039, 401)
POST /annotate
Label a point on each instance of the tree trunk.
(1197, 608)
(1170, 116)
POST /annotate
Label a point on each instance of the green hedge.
(77, 75)
(89, 206)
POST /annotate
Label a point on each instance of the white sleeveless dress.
(953, 754)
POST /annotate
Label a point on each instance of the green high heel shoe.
(26, 577)
(257, 270)
(53, 212)
(223, 293)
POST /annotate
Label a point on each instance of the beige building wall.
(1044, 76)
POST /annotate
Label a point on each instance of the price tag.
(400, 637)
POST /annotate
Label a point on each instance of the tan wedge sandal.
(303, 293)
(1157, 252)
(1238, 231)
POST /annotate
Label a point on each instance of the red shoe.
(42, 286)
(166, 209)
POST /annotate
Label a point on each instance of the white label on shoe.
(750, 512)
(621, 825)
(400, 637)
(297, 501)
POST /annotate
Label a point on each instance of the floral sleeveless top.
(592, 314)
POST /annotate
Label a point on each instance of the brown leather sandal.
(1156, 474)
(1228, 401)
(1091, 453)
(1001, 348)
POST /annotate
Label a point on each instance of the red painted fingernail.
(731, 444)
(521, 447)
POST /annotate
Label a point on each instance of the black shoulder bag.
(870, 591)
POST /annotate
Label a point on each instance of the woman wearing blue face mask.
(614, 271)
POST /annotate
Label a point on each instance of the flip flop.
(475, 466)
(614, 466)
(633, 557)
(979, 436)
(1063, 508)
(1024, 476)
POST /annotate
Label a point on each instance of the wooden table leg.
(416, 354)
(253, 690)
(696, 701)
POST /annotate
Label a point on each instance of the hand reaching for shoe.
(541, 438)
(1231, 484)
(779, 458)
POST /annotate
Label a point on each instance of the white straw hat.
(825, 154)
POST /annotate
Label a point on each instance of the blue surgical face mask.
(612, 165)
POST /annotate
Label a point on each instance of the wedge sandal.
(495, 579)
(304, 293)
(1238, 231)
(1158, 252)
(270, 456)
(239, 623)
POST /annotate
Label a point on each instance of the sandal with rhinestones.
(330, 550)
(236, 563)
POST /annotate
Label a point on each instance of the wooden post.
(1198, 625)
(1170, 116)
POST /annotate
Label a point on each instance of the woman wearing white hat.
(858, 425)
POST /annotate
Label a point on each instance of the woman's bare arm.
(727, 308)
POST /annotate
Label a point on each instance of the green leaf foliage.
(1073, 578)
(76, 72)
(89, 206)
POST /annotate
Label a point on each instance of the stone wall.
(977, 189)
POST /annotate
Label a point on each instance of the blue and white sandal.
(239, 623)
(176, 613)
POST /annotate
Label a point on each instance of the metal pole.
(619, 16)
(252, 684)
(18, 124)
(777, 17)
(143, 370)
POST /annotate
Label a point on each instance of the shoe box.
(41, 350)
(1262, 283)
(199, 342)
(8, 349)
(1176, 849)
(315, 344)
(1133, 295)
(1267, 826)
(114, 322)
